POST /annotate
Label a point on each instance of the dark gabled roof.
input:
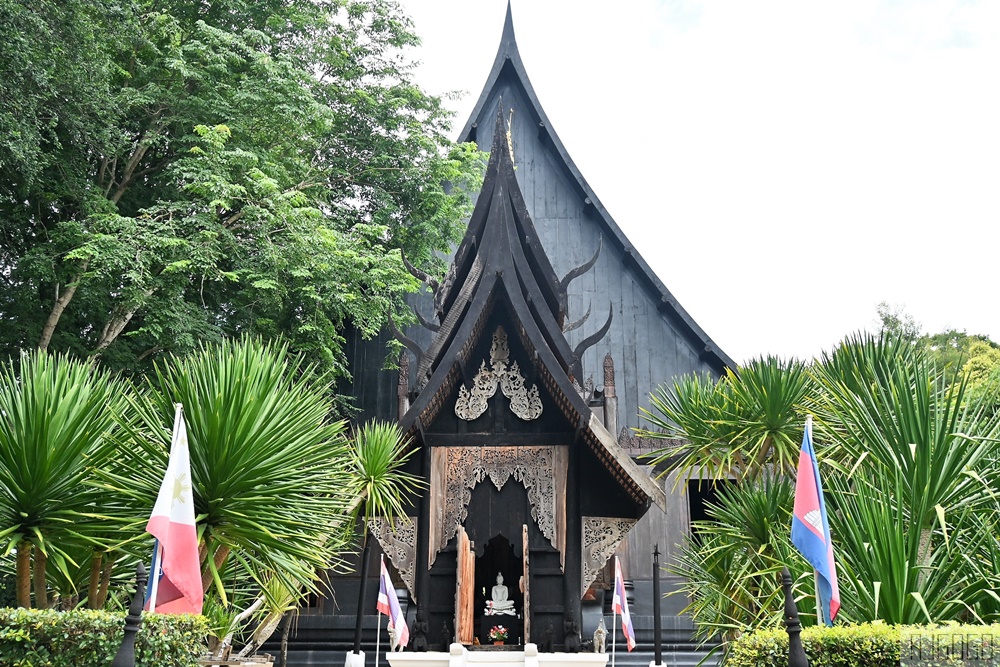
(501, 261)
(509, 60)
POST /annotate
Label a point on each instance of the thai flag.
(811, 530)
(388, 604)
(178, 590)
(620, 606)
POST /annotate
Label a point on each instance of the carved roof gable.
(501, 261)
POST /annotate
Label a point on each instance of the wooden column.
(572, 573)
(525, 584)
(422, 581)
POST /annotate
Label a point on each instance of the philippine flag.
(388, 604)
(811, 530)
(620, 605)
(178, 590)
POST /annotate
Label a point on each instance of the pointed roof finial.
(508, 28)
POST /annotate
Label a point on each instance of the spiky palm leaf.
(379, 452)
(889, 568)
(56, 414)
(269, 469)
(380, 485)
(748, 421)
(885, 405)
(732, 565)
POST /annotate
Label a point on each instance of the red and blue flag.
(811, 529)
(620, 605)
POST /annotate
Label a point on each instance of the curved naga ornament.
(525, 402)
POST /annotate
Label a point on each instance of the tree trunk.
(283, 655)
(24, 575)
(38, 571)
(95, 579)
(924, 555)
(59, 306)
(221, 652)
(362, 590)
(220, 557)
(261, 634)
(102, 594)
(114, 327)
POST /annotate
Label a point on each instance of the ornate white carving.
(524, 402)
(399, 542)
(472, 404)
(541, 470)
(601, 537)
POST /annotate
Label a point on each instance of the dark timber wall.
(647, 342)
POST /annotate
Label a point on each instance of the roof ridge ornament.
(510, 125)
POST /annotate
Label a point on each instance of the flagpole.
(819, 604)
(155, 574)
(378, 615)
(614, 633)
(819, 600)
(614, 619)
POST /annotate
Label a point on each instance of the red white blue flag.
(388, 604)
(620, 606)
(811, 530)
(178, 589)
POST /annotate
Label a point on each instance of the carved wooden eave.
(501, 263)
(508, 66)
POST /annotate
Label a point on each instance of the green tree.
(177, 172)
(56, 418)
(269, 469)
(731, 564)
(895, 321)
(909, 460)
(380, 486)
(886, 405)
(950, 348)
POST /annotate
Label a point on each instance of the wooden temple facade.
(520, 391)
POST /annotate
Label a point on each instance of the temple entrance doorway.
(499, 557)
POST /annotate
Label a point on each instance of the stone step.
(486, 658)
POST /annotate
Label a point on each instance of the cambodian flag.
(811, 530)
(620, 606)
(388, 604)
(178, 590)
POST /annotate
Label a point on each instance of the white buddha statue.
(500, 604)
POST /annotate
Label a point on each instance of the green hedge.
(874, 645)
(36, 638)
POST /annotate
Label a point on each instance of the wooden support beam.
(496, 439)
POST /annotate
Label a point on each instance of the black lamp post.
(796, 654)
(133, 621)
(657, 622)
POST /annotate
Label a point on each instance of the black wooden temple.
(520, 389)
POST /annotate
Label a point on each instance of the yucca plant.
(731, 565)
(745, 423)
(56, 416)
(270, 470)
(886, 407)
(380, 487)
(887, 568)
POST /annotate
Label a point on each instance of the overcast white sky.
(783, 166)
